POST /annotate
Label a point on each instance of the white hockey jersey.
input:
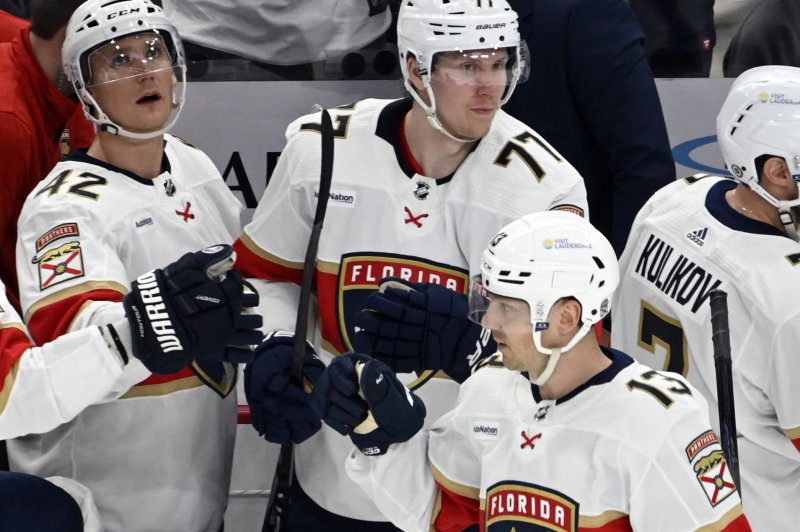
(383, 220)
(280, 32)
(158, 457)
(43, 387)
(631, 449)
(685, 241)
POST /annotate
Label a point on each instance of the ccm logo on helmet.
(123, 12)
(490, 26)
(156, 313)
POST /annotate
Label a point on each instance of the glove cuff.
(367, 446)
(118, 339)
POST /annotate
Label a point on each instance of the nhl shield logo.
(169, 187)
(422, 190)
(59, 264)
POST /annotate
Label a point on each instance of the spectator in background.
(592, 96)
(36, 102)
(78, 132)
(767, 36)
(679, 36)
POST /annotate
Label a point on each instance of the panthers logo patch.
(59, 264)
(715, 477)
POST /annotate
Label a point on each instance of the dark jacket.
(592, 96)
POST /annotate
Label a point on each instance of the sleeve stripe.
(454, 487)
(255, 263)
(74, 291)
(51, 321)
(733, 521)
(792, 434)
(14, 342)
(607, 521)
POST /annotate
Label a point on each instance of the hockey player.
(740, 235)
(554, 432)
(420, 184)
(137, 198)
(42, 387)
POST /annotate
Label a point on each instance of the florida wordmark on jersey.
(686, 241)
(383, 219)
(85, 232)
(43, 387)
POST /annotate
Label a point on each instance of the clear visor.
(130, 56)
(499, 313)
(487, 67)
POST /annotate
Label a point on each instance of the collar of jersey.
(619, 361)
(81, 155)
(717, 205)
(390, 122)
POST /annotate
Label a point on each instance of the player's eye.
(500, 65)
(153, 53)
(507, 309)
(120, 60)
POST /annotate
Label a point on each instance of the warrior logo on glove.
(157, 316)
(197, 307)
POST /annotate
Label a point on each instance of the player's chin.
(475, 130)
(480, 125)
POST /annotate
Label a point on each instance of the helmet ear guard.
(543, 258)
(97, 23)
(761, 116)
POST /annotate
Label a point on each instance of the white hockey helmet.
(542, 258)
(428, 27)
(761, 116)
(99, 22)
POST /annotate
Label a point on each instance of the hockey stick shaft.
(721, 339)
(280, 494)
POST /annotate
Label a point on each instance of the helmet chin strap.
(433, 120)
(552, 360)
(430, 112)
(555, 353)
(788, 221)
(104, 122)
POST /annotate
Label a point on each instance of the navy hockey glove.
(280, 411)
(195, 306)
(360, 396)
(421, 326)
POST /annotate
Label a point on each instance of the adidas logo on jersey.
(698, 236)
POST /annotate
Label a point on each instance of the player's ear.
(413, 73)
(569, 315)
(778, 179)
